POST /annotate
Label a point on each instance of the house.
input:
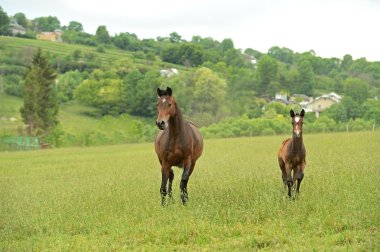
(54, 36)
(281, 98)
(168, 72)
(15, 28)
(321, 103)
(250, 59)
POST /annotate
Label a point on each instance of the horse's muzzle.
(161, 125)
(297, 134)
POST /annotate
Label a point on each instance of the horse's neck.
(176, 124)
(297, 143)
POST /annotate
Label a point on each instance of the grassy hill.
(11, 45)
(107, 198)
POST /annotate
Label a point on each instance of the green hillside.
(11, 45)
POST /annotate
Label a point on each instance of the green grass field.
(107, 198)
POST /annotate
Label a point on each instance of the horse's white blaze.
(297, 119)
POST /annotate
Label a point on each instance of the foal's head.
(166, 107)
(297, 121)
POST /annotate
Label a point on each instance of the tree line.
(215, 80)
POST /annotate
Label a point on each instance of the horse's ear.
(292, 113)
(169, 91)
(159, 92)
(302, 113)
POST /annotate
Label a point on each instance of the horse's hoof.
(184, 199)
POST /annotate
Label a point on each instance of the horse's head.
(297, 121)
(166, 107)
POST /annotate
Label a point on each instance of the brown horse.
(179, 143)
(292, 154)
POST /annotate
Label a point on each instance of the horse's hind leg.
(171, 177)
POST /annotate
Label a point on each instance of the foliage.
(47, 24)
(356, 88)
(4, 22)
(267, 73)
(102, 35)
(40, 108)
(21, 19)
(209, 91)
(66, 85)
(306, 78)
(75, 26)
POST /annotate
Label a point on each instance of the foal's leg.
(283, 171)
(165, 170)
(171, 177)
(187, 170)
(289, 179)
(301, 167)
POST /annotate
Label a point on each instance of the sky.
(332, 28)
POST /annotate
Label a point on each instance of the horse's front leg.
(187, 169)
(171, 177)
(301, 167)
(165, 171)
(289, 179)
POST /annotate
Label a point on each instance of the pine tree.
(40, 110)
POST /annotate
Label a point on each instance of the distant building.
(251, 59)
(168, 72)
(321, 103)
(54, 36)
(281, 98)
(15, 28)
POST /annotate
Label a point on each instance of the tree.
(4, 22)
(226, 45)
(282, 54)
(144, 102)
(267, 72)
(127, 41)
(102, 35)
(347, 61)
(306, 78)
(175, 37)
(67, 84)
(75, 26)
(21, 19)
(40, 109)
(209, 91)
(47, 24)
(356, 88)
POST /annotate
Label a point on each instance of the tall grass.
(107, 198)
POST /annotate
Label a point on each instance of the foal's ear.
(292, 113)
(159, 92)
(169, 91)
(302, 113)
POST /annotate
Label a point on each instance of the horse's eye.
(170, 105)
